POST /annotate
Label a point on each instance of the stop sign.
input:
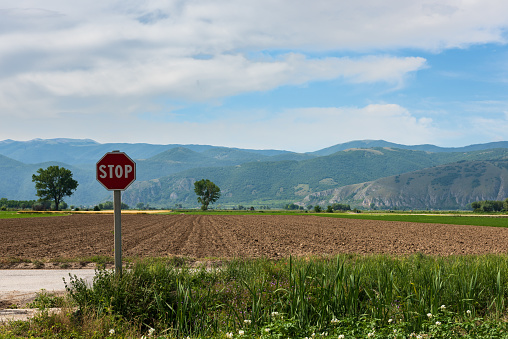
(116, 171)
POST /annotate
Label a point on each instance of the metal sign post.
(116, 171)
(117, 205)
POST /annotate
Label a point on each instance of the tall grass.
(312, 294)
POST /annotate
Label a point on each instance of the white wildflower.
(468, 312)
(274, 314)
(334, 321)
(267, 330)
(429, 315)
(229, 335)
(151, 331)
(370, 335)
(394, 330)
(443, 307)
(241, 332)
(390, 320)
(112, 331)
(438, 323)
(247, 321)
(341, 336)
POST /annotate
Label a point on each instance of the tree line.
(490, 206)
(16, 204)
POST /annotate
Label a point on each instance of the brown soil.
(216, 236)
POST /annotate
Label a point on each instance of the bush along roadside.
(348, 296)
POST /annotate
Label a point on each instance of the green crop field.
(474, 220)
(15, 214)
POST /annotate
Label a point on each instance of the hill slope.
(260, 183)
(86, 151)
(451, 186)
(424, 148)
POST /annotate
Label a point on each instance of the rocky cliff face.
(452, 186)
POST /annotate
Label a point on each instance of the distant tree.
(16, 204)
(41, 206)
(329, 209)
(207, 192)
(54, 183)
(490, 206)
(341, 207)
(317, 208)
(108, 205)
(140, 205)
(292, 207)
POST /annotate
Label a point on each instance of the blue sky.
(293, 75)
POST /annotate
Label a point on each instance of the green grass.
(474, 220)
(15, 214)
(347, 295)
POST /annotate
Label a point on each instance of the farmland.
(247, 236)
(281, 276)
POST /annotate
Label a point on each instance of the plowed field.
(203, 236)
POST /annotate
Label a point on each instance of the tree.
(207, 192)
(108, 205)
(54, 183)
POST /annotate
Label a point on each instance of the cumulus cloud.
(197, 79)
(222, 25)
(119, 58)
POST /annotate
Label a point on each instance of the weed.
(44, 300)
(349, 296)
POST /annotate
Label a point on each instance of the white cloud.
(70, 63)
(222, 25)
(221, 76)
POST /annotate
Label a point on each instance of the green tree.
(109, 205)
(207, 192)
(54, 183)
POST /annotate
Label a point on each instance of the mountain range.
(365, 173)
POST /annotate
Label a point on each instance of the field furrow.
(201, 236)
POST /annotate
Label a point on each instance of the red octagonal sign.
(116, 171)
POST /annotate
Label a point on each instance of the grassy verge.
(28, 214)
(474, 220)
(348, 296)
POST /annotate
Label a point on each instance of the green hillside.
(179, 159)
(275, 183)
(246, 177)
